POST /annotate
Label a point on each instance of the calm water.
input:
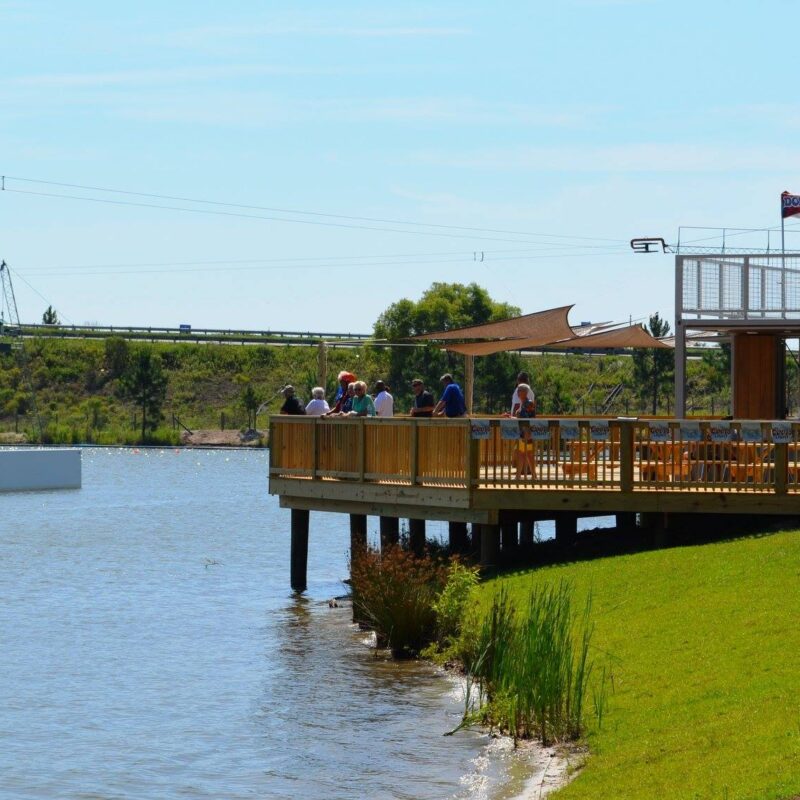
(150, 648)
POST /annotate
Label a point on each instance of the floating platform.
(40, 469)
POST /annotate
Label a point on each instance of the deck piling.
(358, 533)
(457, 537)
(526, 533)
(566, 528)
(490, 545)
(390, 531)
(475, 541)
(416, 536)
(299, 550)
(508, 537)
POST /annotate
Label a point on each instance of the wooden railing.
(619, 454)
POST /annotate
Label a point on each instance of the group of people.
(353, 400)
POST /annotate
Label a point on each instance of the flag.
(790, 205)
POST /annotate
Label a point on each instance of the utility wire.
(265, 217)
(363, 265)
(378, 220)
(36, 291)
(466, 254)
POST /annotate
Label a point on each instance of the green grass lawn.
(704, 647)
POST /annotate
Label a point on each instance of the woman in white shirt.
(317, 405)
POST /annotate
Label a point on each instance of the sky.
(301, 166)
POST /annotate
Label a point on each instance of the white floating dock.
(23, 469)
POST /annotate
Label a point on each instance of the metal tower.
(11, 336)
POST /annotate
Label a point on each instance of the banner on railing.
(690, 431)
(781, 432)
(481, 429)
(720, 431)
(509, 428)
(750, 432)
(659, 431)
(599, 430)
(569, 430)
(540, 430)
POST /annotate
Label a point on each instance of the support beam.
(626, 520)
(508, 537)
(299, 550)
(358, 533)
(416, 536)
(490, 545)
(566, 528)
(390, 531)
(526, 533)
(475, 541)
(457, 538)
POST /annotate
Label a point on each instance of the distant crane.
(11, 335)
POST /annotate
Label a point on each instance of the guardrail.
(566, 453)
(186, 333)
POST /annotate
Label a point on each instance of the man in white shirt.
(384, 402)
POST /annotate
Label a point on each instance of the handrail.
(623, 455)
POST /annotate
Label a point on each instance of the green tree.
(653, 368)
(250, 401)
(117, 355)
(145, 384)
(50, 316)
(442, 307)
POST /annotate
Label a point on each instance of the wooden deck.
(469, 470)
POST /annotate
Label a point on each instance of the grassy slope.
(704, 645)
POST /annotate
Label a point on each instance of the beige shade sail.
(542, 326)
(629, 336)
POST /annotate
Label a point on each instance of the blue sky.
(561, 130)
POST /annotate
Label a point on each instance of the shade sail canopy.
(541, 326)
(629, 336)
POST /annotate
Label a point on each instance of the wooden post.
(475, 541)
(358, 544)
(626, 520)
(362, 450)
(322, 365)
(416, 536)
(508, 537)
(457, 537)
(299, 551)
(390, 531)
(358, 533)
(490, 545)
(566, 528)
(414, 454)
(526, 533)
(781, 468)
(626, 456)
(469, 381)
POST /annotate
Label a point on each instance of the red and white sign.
(790, 204)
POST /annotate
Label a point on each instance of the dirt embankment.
(215, 438)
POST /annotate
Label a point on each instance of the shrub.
(452, 602)
(395, 592)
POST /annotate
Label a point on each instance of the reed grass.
(531, 665)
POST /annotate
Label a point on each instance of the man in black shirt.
(423, 400)
(291, 405)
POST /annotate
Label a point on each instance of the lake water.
(150, 648)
